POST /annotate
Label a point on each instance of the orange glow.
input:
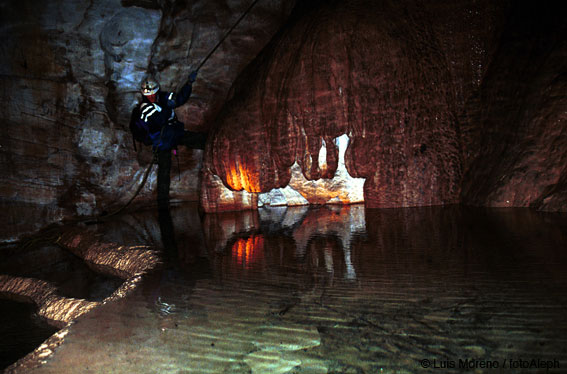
(241, 178)
(247, 251)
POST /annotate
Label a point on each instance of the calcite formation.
(374, 71)
(56, 309)
(433, 98)
(340, 189)
(127, 262)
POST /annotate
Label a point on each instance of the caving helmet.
(149, 87)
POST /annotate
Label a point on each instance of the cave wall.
(394, 76)
(443, 102)
(69, 75)
(520, 144)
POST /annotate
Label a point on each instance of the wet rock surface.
(522, 138)
(331, 290)
(108, 257)
(57, 310)
(59, 283)
(67, 272)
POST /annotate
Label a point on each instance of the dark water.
(20, 331)
(334, 290)
(71, 276)
(338, 290)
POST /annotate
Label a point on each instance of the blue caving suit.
(164, 132)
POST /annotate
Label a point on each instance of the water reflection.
(406, 278)
(333, 290)
(365, 290)
(248, 251)
(353, 244)
(350, 241)
(281, 237)
(176, 231)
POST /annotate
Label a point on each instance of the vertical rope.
(226, 35)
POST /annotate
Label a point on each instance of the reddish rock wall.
(520, 146)
(394, 76)
(444, 102)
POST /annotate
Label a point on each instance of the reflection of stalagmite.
(220, 228)
(342, 222)
(328, 255)
(282, 217)
(247, 251)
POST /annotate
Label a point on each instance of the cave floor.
(333, 290)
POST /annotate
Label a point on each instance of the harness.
(147, 109)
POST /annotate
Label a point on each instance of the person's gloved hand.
(193, 76)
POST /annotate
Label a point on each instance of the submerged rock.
(54, 308)
(270, 362)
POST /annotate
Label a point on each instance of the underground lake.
(310, 290)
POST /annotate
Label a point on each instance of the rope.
(144, 179)
(102, 217)
(53, 235)
(99, 218)
(226, 35)
(96, 219)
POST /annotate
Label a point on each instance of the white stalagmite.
(341, 189)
